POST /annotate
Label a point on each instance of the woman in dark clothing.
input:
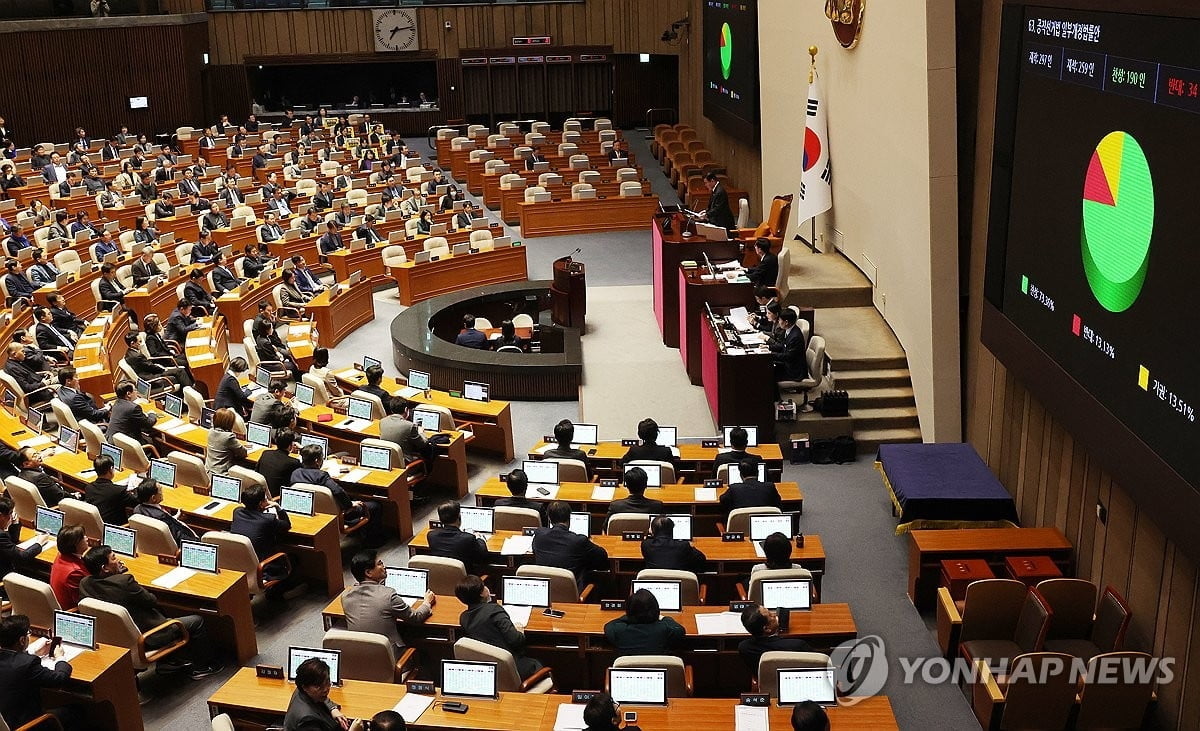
(642, 631)
(487, 622)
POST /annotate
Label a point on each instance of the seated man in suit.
(230, 394)
(110, 498)
(485, 621)
(49, 338)
(268, 347)
(791, 362)
(16, 240)
(450, 541)
(144, 269)
(649, 448)
(564, 434)
(763, 626)
(353, 511)
(81, 404)
(331, 240)
(766, 272)
(42, 272)
(306, 281)
(224, 280)
(149, 499)
(534, 157)
(374, 378)
(558, 546)
(750, 493)
(738, 439)
(260, 519)
(24, 674)
(164, 208)
(518, 484)
(18, 284)
(367, 231)
(777, 550)
(111, 289)
(642, 630)
(398, 427)
(323, 200)
(180, 323)
(662, 551)
(470, 337)
(311, 221)
(718, 212)
(618, 155)
(105, 246)
(277, 465)
(32, 383)
(214, 219)
(310, 707)
(63, 318)
(204, 250)
(373, 606)
(128, 418)
(29, 461)
(270, 230)
(195, 293)
(637, 502)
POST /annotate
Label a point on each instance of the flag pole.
(812, 75)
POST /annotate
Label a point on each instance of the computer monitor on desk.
(653, 473)
(322, 442)
(427, 420)
(668, 593)
(358, 408)
(332, 658)
(586, 434)
(797, 685)
(751, 435)
(638, 686)
(525, 591)
(540, 472)
(418, 380)
(469, 679)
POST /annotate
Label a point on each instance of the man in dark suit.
(18, 284)
(718, 212)
(62, 317)
(398, 427)
(270, 230)
(558, 546)
(150, 497)
(470, 337)
(109, 498)
(110, 581)
(144, 269)
(23, 676)
(181, 322)
(738, 439)
(82, 405)
(564, 435)
(311, 223)
(766, 272)
(534, 157)
(214, 219)
(188, 184)
(750, 493)
(650, 448)
(54, 171)
(27, 378)
(789, 355)
(48, 336)
(128, 418)
(264, 523)
(29, 461)
(450, 541)
(763, 626)
(195, 293)
(306, 281)
(224, 280)
(12, 556)
(323, 200)
(662, 551)
(277, 465)
(518, 484)
(111, 289)
(164, 208)
(232, 195)
(367, 231)
(205, 249)
(229, 391)
(331, 240)
(310, 708)
(637, 502)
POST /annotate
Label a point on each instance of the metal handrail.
(653, 113)
(431, 135)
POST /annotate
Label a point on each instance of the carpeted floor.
(629, 375)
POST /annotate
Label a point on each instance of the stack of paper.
(411, 706)
(169, 424)
(706, 494)
(751, 718)
(517, 546)
(357, 474)
(173, 578)
(720, 623)
(570, 718)
(182, 428)
(603, 493)
(518, 615)
(410, 393)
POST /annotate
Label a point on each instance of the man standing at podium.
(718, 212)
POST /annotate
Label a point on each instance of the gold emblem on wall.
(847, 19)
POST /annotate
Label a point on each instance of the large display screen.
(731, 66)
(1091, 242)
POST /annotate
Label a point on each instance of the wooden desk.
(161, 301)
(369, 261)
(222, 599)
(928, 548)
(667, 252)
(417, 282)
(258, 702)
(863, 714)
(339, 316)
(511, 200)
(740, 389)
(695, 460)
(239, 307)
(586, 216)
(97, 352)
(105, 677)
(208, 352)
(694, 293)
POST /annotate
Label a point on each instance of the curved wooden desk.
(558, 218)
(417, 282)
(337, 317)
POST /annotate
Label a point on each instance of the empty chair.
(436, 242)
(990, 608)
(377, 410)
(601, 124)
(569, 470)
(627, 174)
(537, 194)
(222, 722)
(194, 402)
(394, 256)
(580, 191)
(771, 662)
(572, 125)
(1120, 704)
(33, 598)
(566, 149)
(368, 656)
(739, 518)
(540, 127)
(85, 514)
(998, 649)
(510, 518)
(619, 523)
(68, 261)
(153, 536)
(63, 414)
(591, 177)
(445, 418)
(607, 135)
(25, 496)
(114, 626)
(548, 179)
(508, 680)
(189, 469)
(482, 239)
(743, 219)
(444, 573)
(246, 476)
(692, 593)
(631, 189)
(237, 553)
(563, 588)
(1107, 631)
(522, 320)
(754, 592)
(511, 181)
(93, 437)
(462, 143)
(785, 270)
(1073, 602)
(482, 323)
(579, 162)
(1033, 697)
(134, 457)
(679, 676)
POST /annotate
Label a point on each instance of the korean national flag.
(816, 181)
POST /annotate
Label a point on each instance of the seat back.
(739, 518)
(222, 722)
(522, 320)
(444, 573)
(1120, 704)
(754, 593)
(189, 469)
(770, 663)
(114, 626)
(1112, 620)
(235, 552)
(246, 476)
(743, 219)
(93, 437)
(1032, 623)
(619, 523)
(68, 261)
(1073, 602)
(689, 583)
(508, 679)
(77, 512)
(35, 599)
(365, 655)
(569, 470)
(377, 410)
(676, 677)
(194, 403)
(394, 256)
(1035, 697)
(511, 181)
(25, 496)
(153, 536)
(445, 418)
(991, 608)
(323, 500)
(436, 242)
(135, 458)
(320, 393)
(510, 518)
(590, 177)
(531, 194)
(667, 470)
(563, 589)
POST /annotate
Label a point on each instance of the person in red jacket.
(68, 570)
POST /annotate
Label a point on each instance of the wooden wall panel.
(1057, 482)
(640, 86)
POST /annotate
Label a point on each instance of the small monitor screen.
(120, 540)
(762, 526)
(668, 593)
(359, 408)
(225, 487)
(525, 591)
(682, 529)
(173, 405)
(797, 685)
(75, 629)
(751, 435)
(379, 458)
(634, 686)
(113, 452)
(259, 434)
(262, 376)
(198, 556)
(332, 658)
(206, 417)
(322, 442)
(68, 439)
(653, 473)
(586, 434)
(418, 380)
(408, 583)
(479, 520)
(162, 472)
(428, 420)
(143, 388)
(475, 391)
(789, 593)
(470, 679)
(34, 419)
(735, 473)
(48, 520)
(297, 502)
(368, 361)
(668, 436)
(305, 394)
(540, 472)
(581, 523)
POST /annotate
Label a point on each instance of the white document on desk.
(170, 424)
(411, 706)
(751, 718)
(603, 493)
(570, 717)
(28, 542)
(173, 578)
(410, 393)
(180, 429)
(518, 615)
(758, 549)
(706, 495)
(752, 338)
(357, 474)
(354, 424)
(720, 623)
(517, 546)
(41, 440)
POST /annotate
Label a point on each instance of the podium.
(568, 293)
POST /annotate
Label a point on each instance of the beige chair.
(320, 392)
(579, 162)
(377, 410)
(436, 242)
(135, 458)
(1032, 697)
(785, 271)
(235, 552)
(26, 498)
(569, 470)
(222, 722)
(77, 512)
(114, 626)
(189, 469)
(63, 414)
(68, 261)
(770, 663)
(509, 518)
(393, 256)
(692, 592)
(572, 125)
(246, 476)
(444, 573)
(194, 402)
(534, 194)
(33, 598)
(580, 191)
(566, 149)
(22, 398)
(445, 418)
(620, 523)
(990, 608)
(511, 181)
(508, 680)
(153, 536)
(1122, 704)
(394, 448)
(93, 437)
(1106, 634)
(563, 588)
(482, 240)
(754, 592)
(679, 676)
(591, 177)
(547, 179)
(370, 656)
(666, 469)
(602, 124)
(522, 320)
(739, 518)
(1000, 648)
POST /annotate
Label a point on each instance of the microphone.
(573, 253)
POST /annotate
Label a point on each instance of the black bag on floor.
(822, 451)
(835, 403)
(845, 449)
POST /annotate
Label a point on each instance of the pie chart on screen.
(1118, 221)
(726, 50)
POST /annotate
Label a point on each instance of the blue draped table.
(943, 486)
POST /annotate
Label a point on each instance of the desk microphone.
(573, 253)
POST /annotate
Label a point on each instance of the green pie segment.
(726, 50)
(1118, 221)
